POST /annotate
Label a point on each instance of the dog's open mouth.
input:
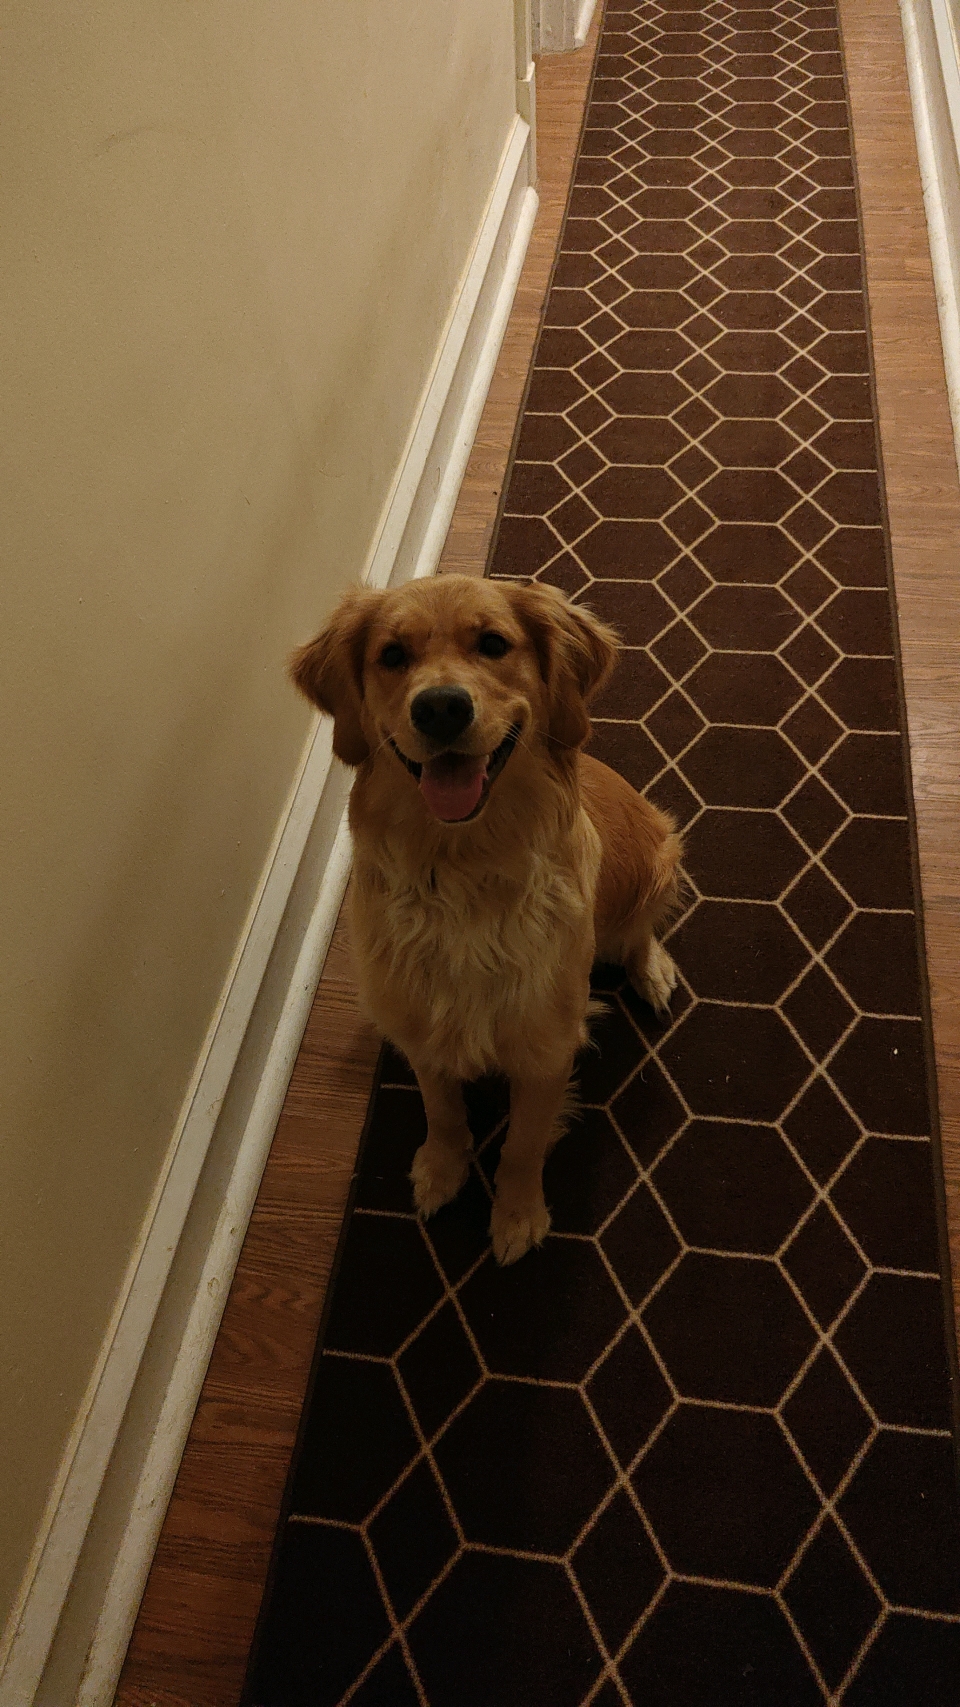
(455, 786)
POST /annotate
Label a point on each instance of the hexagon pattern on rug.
(696, 1452)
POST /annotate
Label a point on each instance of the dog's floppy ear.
(576, 651)
(329, 671)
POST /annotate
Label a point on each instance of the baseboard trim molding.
(933, 71)
(420, 506)
(88, 1452)
(200, 1293)
(584, 20)
(559, 26)
(66, 1641)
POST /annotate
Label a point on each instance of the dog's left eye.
(393, 656)
(492, 645)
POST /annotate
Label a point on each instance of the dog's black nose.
(442, 713)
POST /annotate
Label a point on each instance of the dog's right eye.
(492, 645)
(393, 656)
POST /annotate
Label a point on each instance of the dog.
(494, 860)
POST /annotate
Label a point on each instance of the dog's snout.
(441, 713)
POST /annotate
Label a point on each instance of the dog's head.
(450, 674)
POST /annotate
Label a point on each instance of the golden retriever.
(494, 861)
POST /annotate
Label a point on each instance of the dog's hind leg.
(520, 1217)
(650, 970)
(648, 966)
(441, 1164)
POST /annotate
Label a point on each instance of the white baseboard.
(584, 20)
(66, 1641)
(418, 511)
(933, 69)
(561, 25)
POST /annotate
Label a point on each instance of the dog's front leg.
(520, 1217)
(441, 1165)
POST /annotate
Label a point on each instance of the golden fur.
(474, 938)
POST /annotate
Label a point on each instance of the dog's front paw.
(437, 1174)
(659, 978)
(514, 1229)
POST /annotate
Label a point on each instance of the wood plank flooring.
(923, 497)
(191, 1639)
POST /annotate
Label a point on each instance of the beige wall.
(231, 239)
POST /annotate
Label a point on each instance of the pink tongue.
(452, 785)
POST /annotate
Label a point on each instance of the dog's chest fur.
(462, 964)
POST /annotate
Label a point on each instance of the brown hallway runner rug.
(697, 1451)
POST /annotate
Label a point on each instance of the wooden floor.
(192, 1636)
(923, 498)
